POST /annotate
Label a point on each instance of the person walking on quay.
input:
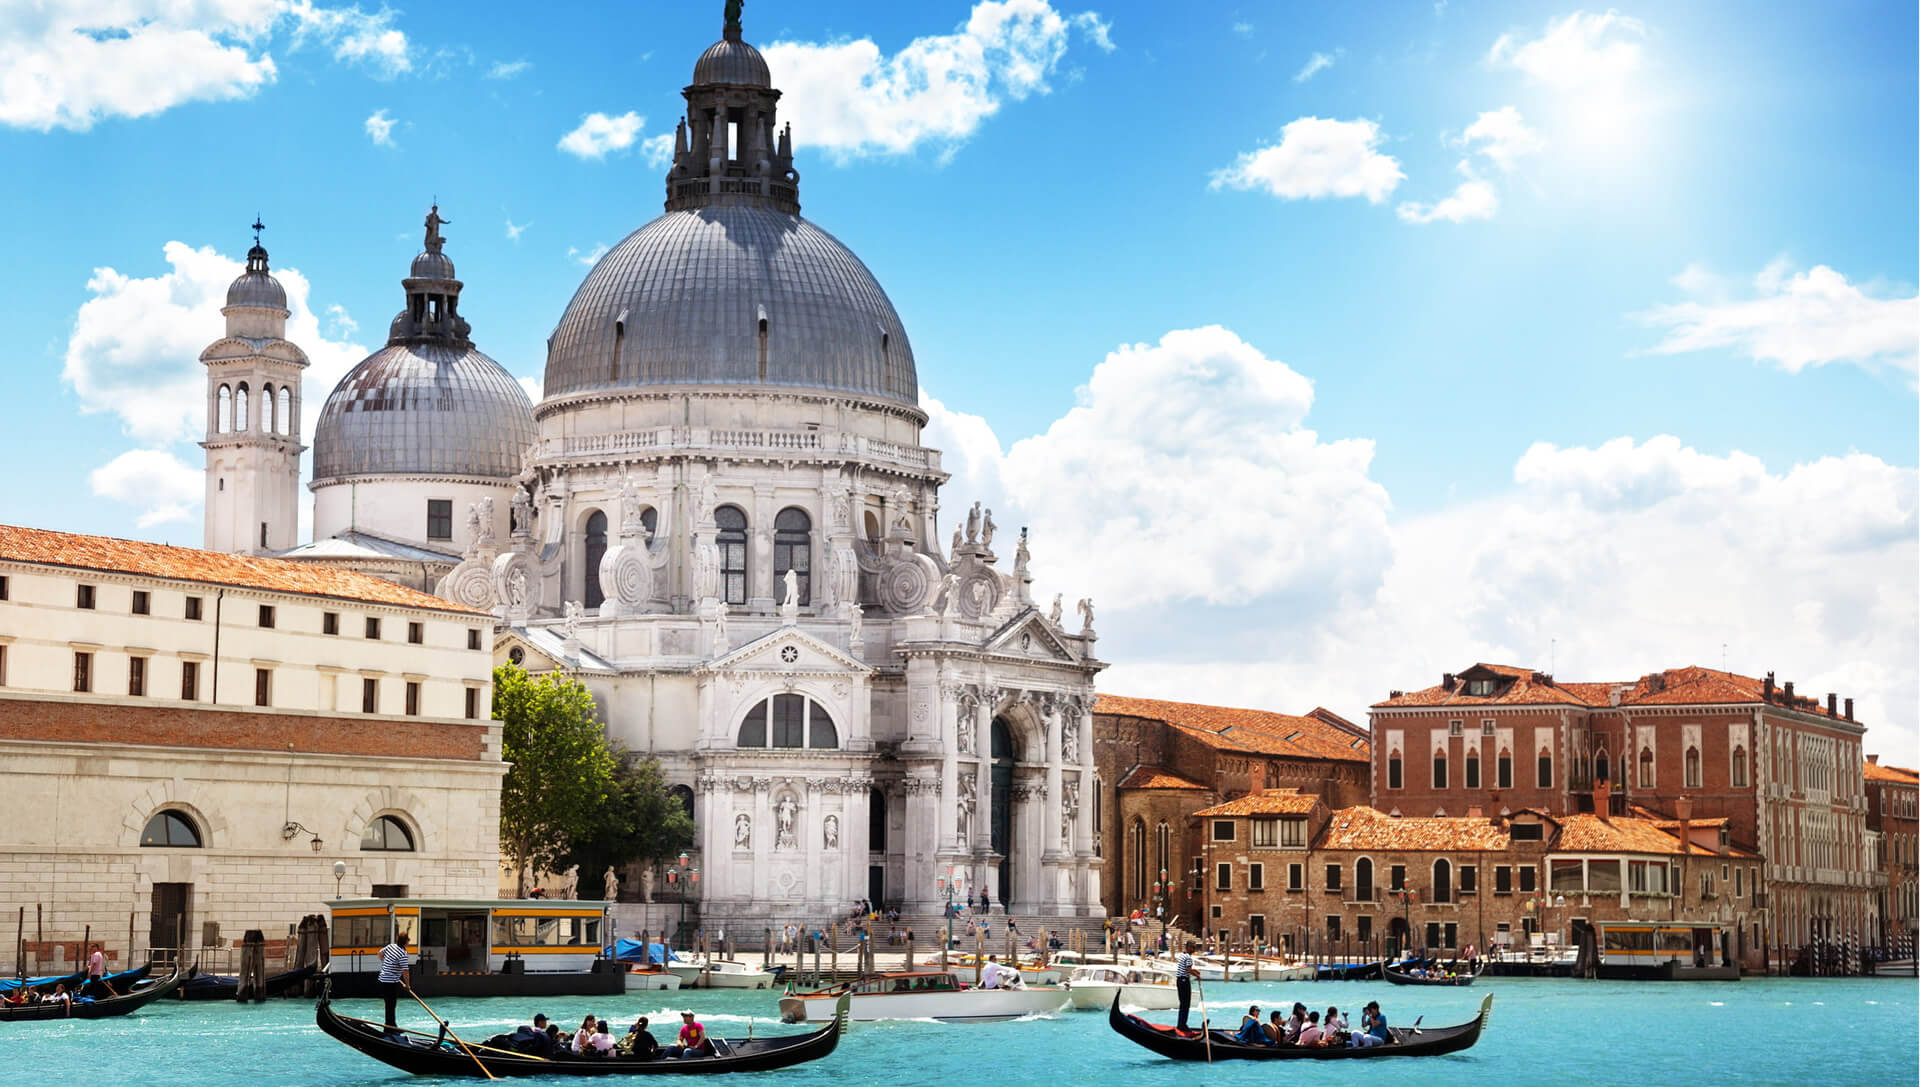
(1183, 982)
(394, 972)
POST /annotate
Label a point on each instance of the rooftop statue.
(434, 223)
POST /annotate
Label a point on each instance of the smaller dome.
(732, 61)
(256, 287)
(424, 409)
(433, 265)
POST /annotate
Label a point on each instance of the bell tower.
(253, 418)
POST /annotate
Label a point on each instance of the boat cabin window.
(511, 931)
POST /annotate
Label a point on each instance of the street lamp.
(1407, 896)
(1162, 890)
(293, 830)
(339, 873)
(680, 874)
(948, 886)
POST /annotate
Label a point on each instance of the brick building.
(1781, 769)
(1893, 802)
(1286, 870)
(1156, 762)
(189, 742)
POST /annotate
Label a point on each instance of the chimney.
(1849, 709)
(1833, 704)
(1395, 694)
(1600, 805)
(1788, 688)
(1683, 808)
(1766, 688)
(1874, 759)
(1446, 681)
(1473, 812)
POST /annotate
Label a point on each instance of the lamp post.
(680, 874)
(1407, 896)
(1162, 890)
(949, 886)
(339, 873)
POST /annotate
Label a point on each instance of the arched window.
(1163, 846)
(1394, 779)
(1439, 769)
(1442, 880)
(876, 821)
(732, 540)
(1543, 769)
(240, 407)
(223, 415)
(1600, 767)
(1363, 879)
(793, 550)
(1739, 775)
(1693, 768)
(285, 414)
(1137, 836)
(1503, 770)
(1646, 768)
(595, 551)
(1473, 768)
(683, 795)
(266, 409)
(790, 721)
(650, 520)
(171, 829)
(387, 835)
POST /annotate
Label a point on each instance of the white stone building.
(189, 741)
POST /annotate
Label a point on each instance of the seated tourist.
(1276, 1028)
(639, 1043)
(601, 1044)
(1373, 1028)
(693, 1038)
(1250, 1032)
(1333, 1022)
(1297, 1022)
(531, 1039)
(582, 1038)
(1310, 1034)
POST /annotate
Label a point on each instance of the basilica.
(720, 518)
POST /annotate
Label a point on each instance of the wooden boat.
(227, 986)
(1399, 974)
(644, 978)
(1349, 971)
(121, 982)
(1181, 1045)
(1895, 968)
(719, 974)
(1091, 988)
(99, 1009)
(922, 994)
(427, 1055)
(1030, 972)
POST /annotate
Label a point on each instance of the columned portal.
(1004, 756)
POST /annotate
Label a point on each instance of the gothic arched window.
(1439, 769)
(240, 406)
(1363, 880)
(1473, 768)
(1739, 775)
(223, 414)
(1646, 768)
(285, 414)
(793, 550)
(266, 409)
(595, 551)
(732, 541)
(1600, 766)
(1693, 768)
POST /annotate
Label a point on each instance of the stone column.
(760, 552)
(921, 848)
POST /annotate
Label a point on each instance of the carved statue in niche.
(1054, 615)
(965, 722)
(720, 644)
(783, 817)
(790, 603)
(944, 598)
(855, 636)
(517, 589)
(743, 831)
(830, 832)
(707, 501)
(963, 819)
(483, 537)
(473, 524)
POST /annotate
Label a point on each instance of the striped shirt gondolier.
(1183, 965)
(393, 959)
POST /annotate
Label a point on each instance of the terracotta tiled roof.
(1366, 828)
(1691, 685)
(107, 553)
(1157, 777)
(1259, 732)
(1585, 833)
(1271, 802)
(1899, 775)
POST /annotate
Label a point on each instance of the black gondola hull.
(99, 1009)
(1174, 1045)
(1399, 978)
(423, 1058)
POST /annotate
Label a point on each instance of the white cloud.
(534, 387)
(599, 133)
(1317, 63)
(658, 150)
(339, 322)
(1473, 198)
(514, 231)
(1576, 52)
(1793, 319)
(848, 99)
(1243, 29)
(507, 69)
(380, 128)
(589, 258)
(1317, 157)
(135, 347)
(355, 36)
(1503, 136)
(161, 484)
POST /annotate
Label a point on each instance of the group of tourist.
(594, 1041)
(1310, 1028)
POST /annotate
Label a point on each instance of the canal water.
(1795, 1032)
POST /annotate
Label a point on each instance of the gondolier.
(1183, 981)
(394, 972)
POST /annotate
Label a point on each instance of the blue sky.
(1503, 331)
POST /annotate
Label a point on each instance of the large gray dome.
(424, 409)
(680, 302)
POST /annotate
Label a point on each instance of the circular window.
(517, 655)
(790, 654)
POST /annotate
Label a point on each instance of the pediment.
(787, 650)
(542, 650)
(1028, 634)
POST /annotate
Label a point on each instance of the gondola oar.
(448, 1027)
(1205, 1031)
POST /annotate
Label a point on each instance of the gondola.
(1400, 977)
(428, 1055)
(122, 981)
(1349, 971)
(226, 986)
(99, 1009)
(1414, 1041)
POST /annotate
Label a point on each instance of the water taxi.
(922, 994)
(717, 973)
(1664, 951)
(476, 947)
(1092, 988)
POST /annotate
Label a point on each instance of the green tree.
(561, 770)
(640, 821)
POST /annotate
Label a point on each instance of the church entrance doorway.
(1004, 757)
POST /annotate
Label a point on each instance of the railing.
(812, 442)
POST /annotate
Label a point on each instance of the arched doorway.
(1004, 756)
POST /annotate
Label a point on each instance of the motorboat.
(713, 973)
(1032, 973)
(1895, 968)
(1215, 968)
(1092, 988)
(643, 978)
(923, 994)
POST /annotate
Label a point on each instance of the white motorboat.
(1274, 968)
(1895, 968)
(1091, 988)
(1030, 972)
(720, 974)
(923, 994)
(1214, 968)
(641, 979)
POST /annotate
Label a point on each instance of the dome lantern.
(256, 286)
(724, 150)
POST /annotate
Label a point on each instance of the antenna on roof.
(1723, 656)
(1553, 654)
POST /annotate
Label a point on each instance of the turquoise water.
(1773, 1031)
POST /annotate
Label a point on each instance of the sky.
(1325, 348)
